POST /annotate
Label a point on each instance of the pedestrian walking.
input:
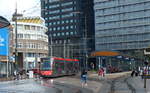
(101, 73)
(84, 78)
(132, 73)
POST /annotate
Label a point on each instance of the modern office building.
(70, 27)
(122, 25)
(32, 42)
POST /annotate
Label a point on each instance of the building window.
(32, 27)
(50, 29)
(62, 27)
(58, 34)
(46, 24)
(20, 45)
(67, 33)
(67, 21)
(27, 36)
(27, 27)
(60, 41)
(50, 23)
(58, 28)
(20, 27)
(54, 23)
(71, 27)
(62, 34)
(67, 27)
(63, 22)
(68, 40)
(58, 22)
(71, 21)
(67, 9)
(54, 29)
(54, 34)
(56, 42)
(71, 33)
(67, 3)
(38, 28)
(20, 36)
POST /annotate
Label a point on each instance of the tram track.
(120, 85)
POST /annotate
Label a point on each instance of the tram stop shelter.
(104, 58)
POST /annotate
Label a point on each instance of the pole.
(85, 41)
(25, 56)
(64, 49)
(67, 51)
(51, 46)
(7, 54)
(16, 37)
(145, 82)
(99, 62)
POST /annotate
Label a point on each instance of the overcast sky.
(28, 7)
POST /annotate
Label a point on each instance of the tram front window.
(45, 65)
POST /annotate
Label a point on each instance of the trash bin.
(30, 74)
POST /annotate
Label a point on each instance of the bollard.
(144, 82)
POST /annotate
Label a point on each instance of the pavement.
(94, 83)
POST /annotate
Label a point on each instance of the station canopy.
(105, 53)
(4, 22)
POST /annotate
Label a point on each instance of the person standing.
(84, 78)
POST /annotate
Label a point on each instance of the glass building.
(70, 27)
(122, 24)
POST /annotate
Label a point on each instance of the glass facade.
(122, 24)
(59, 17)
(61, 22)
(65, 20)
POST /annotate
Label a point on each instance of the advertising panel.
(4, 41)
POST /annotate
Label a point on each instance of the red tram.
(53, 67)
